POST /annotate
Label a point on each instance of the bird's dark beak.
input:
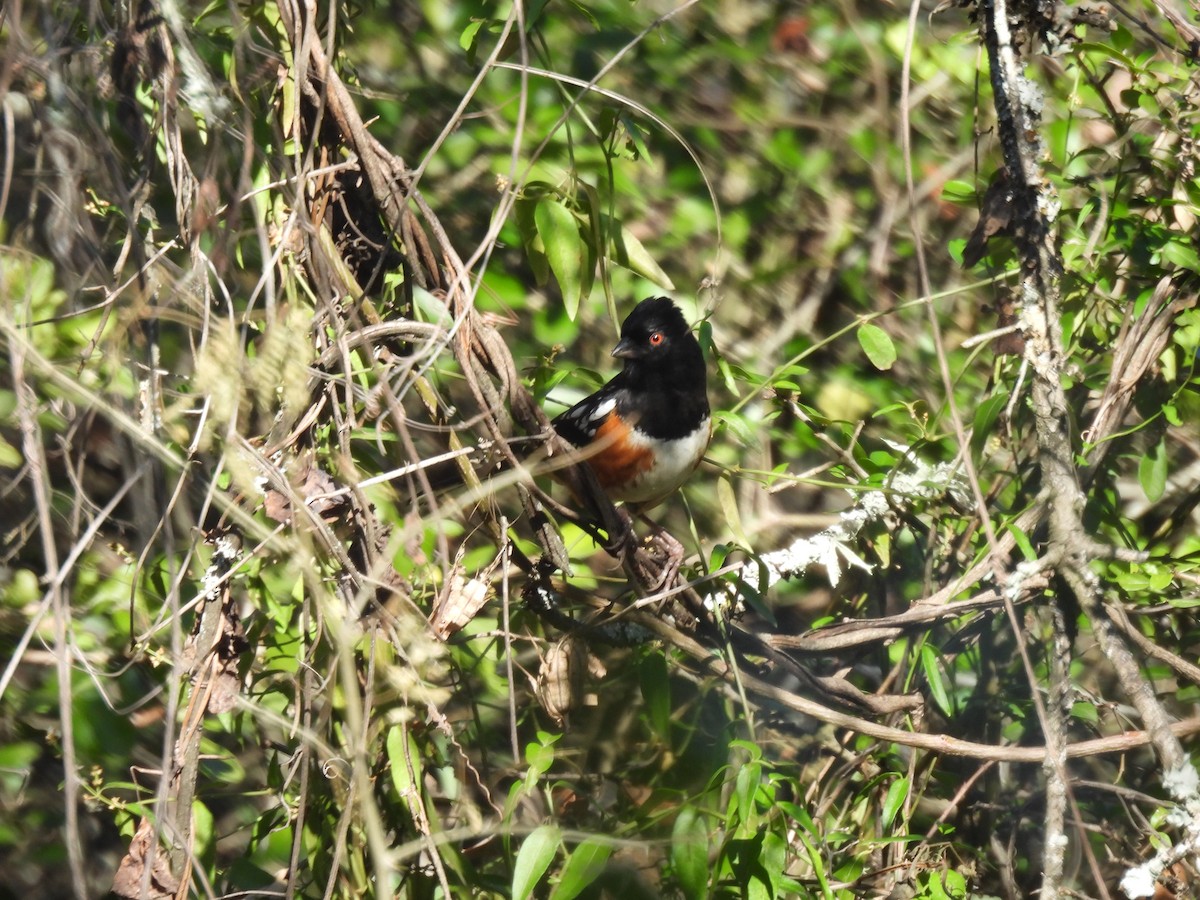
(626, 349)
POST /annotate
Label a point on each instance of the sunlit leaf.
(582, 867)
(877, 345)
(931, 666)
(1152, 472)
(893, 801)
(626, 250)
(689, 853)
(729, 510)
(565, 250)
(533, 859)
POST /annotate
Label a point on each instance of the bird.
(647, 429)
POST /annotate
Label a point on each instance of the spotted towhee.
(646, 430)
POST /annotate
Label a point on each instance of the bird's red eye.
(656, 339)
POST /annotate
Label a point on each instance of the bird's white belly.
(674, 461)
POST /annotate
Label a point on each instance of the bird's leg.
(667, 554)
(660, 565)
(621, 541)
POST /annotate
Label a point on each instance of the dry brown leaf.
(128, 880)
(463, 600)
(561, 680)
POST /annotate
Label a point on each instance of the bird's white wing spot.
(601, 410)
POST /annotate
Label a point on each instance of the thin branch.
(35, 460)
(936, 743)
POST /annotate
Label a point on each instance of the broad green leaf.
(745, 789)
(896, 795)
(1152, 472)
(774, 854)
(398, 759)
(877, 345)
(582, 867)
(627, 251)
(565, 249)
(533, 859)
(689, 853)
(467, 39)
(202, 827)
(539, 756)
(956, 885)
(1160, 578)
(1182, 254)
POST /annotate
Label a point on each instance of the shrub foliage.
(290, 604)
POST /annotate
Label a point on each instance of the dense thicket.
(273, 275)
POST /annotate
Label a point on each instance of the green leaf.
(656, 693)
(727, 374)
(1160, 578)
(729, 508)
(959, 191)
(1023, 543)
(535, 247)
(533, 859)
(10, 456)
(582, 867)
(565, 249)
(774, 855)
(689, 853)
(753, 598)
(955, 883)
(1152, 472)
(540, 756)
(398, 760)
(896, 795)
(742, 430)
(985, 420)
(933, 677)
(883, 549)
(818, 864)
(1181, 253)
(202, 828)
(745, 789)
(466, 40)
(877, 345)
(627, 251)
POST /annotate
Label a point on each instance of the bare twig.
(35, 460)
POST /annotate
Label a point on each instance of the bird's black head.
(658, 347)
(654, 330)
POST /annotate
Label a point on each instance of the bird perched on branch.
(646, 430)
